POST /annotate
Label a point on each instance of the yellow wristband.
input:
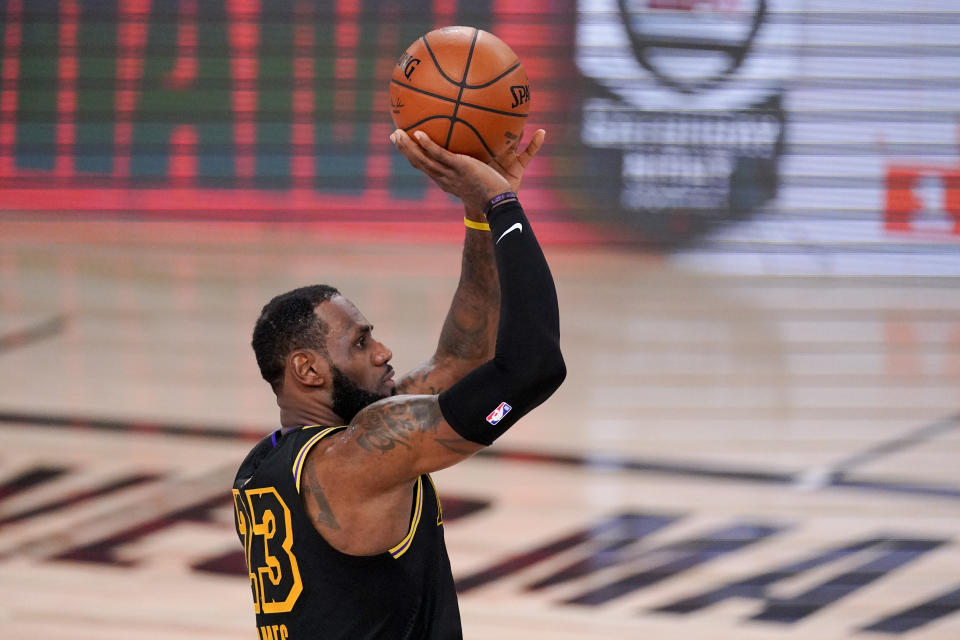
(481, 226)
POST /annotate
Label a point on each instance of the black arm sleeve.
(527, 366)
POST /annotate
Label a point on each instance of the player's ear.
(308, 368)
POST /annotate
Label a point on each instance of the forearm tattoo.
(469, 330)
(420, 381)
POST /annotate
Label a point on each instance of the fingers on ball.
(431, 148)
(420, 156)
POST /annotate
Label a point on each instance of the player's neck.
(297, 415)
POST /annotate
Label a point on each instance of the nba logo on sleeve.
(497, 414)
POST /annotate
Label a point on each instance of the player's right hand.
(474, 182)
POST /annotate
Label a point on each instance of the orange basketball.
(463, 87)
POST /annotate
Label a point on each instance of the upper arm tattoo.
(458, 445)
(397, 424)
(324, 515)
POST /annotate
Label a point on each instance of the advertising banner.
(687, 105)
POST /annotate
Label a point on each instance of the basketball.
(463, 87)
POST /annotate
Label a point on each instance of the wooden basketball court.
(749, 458)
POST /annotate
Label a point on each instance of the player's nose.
(382, 355)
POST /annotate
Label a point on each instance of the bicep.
(395, 440)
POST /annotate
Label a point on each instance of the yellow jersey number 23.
(263, 520)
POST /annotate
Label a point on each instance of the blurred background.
(752, 211)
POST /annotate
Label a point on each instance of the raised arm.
(415, 434)
(359, 484)
(469, 331)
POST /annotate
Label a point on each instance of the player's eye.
(361, 342)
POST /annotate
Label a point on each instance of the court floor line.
(155, 499)
(815, 479)
(836, 473)
(37, 332)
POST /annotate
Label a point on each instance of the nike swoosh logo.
(516, 227)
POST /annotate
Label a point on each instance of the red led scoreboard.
(237, 109)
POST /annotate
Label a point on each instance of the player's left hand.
(511, 164)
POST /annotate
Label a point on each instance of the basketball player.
(340, 520)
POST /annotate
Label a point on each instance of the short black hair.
(286, 323)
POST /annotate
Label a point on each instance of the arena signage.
(686, 109)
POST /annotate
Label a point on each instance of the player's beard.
(348, 398)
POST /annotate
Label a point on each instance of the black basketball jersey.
(303, 588)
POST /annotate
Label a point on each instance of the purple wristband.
(500, 199)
